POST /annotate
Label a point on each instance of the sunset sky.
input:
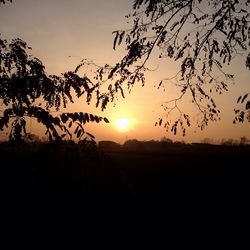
(62, 32)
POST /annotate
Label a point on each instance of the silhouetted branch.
(203, 42)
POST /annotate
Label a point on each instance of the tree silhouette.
(242, 113)
(27, 91)
(204, 36)
(4, 1)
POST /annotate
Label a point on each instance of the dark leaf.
(90, 135)
(238, 99)
(115, 39)
(244, 98)
(79, 133)
(248, 105)
(76, 130)
(160, 122)
(106, 120)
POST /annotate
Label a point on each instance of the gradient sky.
(57, 29)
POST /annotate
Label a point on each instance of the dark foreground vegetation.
(67, 172)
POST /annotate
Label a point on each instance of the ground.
(180, 172)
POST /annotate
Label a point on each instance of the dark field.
(44, 172)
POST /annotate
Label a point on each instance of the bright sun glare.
(122, 124)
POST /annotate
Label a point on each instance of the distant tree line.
(164, 144)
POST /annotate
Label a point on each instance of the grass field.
(48, 172)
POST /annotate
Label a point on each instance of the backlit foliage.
(27, 91)
(5, 1)
(203, 36)
(242, 113)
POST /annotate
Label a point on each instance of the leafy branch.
(204, 36)
(27, 91)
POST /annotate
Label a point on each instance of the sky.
(57, 29)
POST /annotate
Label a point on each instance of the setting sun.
(122, 124)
